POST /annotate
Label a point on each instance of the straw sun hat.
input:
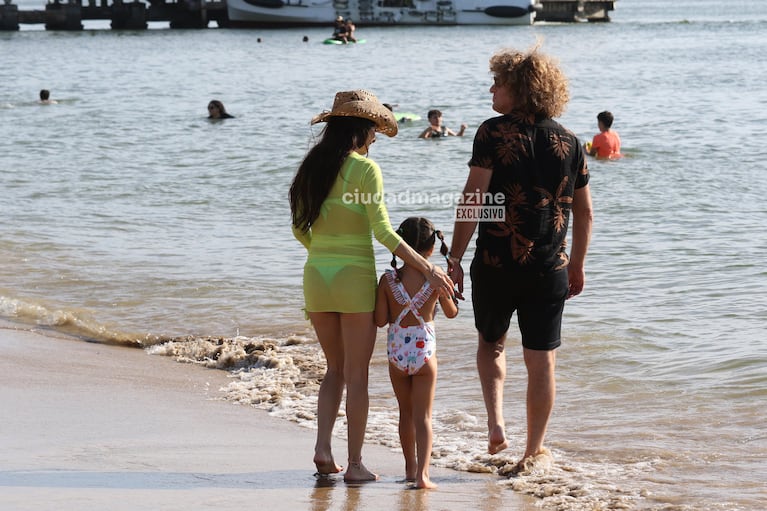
(364, 104)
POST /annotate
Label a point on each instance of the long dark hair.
(320, 168)
(420, 234)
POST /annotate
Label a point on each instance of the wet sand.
(91, 427)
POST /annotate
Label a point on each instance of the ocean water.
(129, 218)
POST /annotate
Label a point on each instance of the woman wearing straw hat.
(336, 200)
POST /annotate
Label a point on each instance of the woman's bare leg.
(327, 325)
(358, 332)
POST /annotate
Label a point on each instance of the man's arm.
(477, 182)
(582, 221)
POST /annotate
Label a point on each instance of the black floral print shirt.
(537, 164)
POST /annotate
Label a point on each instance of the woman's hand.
(440, 281)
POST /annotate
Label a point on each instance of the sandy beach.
(92, 426)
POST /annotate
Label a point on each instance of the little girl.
(406, 302)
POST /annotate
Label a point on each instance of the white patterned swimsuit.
(410, 347)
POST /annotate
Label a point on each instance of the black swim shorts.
(539, 300)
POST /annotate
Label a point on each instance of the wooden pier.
(135, 15)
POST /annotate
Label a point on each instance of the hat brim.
(384, 119)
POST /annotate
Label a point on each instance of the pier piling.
(63, 16)
(128, 16)
(9, 16)
(190, 14)
(575, 10)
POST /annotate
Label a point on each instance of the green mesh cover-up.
(340, 273)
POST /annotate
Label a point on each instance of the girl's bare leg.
(403, 387)
(424, 385)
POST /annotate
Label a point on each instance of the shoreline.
(91, 426)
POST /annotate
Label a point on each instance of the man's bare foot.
(425, 483)
(496, 440)
(358, 473)
(538, 463)
(326, 466)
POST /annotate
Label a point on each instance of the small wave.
(71, 322)
(282, 376)
(273, 374)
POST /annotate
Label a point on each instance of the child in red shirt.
(606, 144)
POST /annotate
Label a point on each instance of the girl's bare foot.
(358, 473)
(425, 483)
(496, 440)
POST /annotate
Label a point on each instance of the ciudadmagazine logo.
(469, 207)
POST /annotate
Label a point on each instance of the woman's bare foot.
(326, 466)
(410, 471)
(425, 483)
(358, 473)
(496, 440)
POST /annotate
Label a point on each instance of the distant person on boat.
(606, 144)
(45, 98)
(344, 31)
(216, 110)
(349, 29)
(436, 129)
(533, 172)
(338, 27)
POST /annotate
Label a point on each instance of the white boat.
(298, 13)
